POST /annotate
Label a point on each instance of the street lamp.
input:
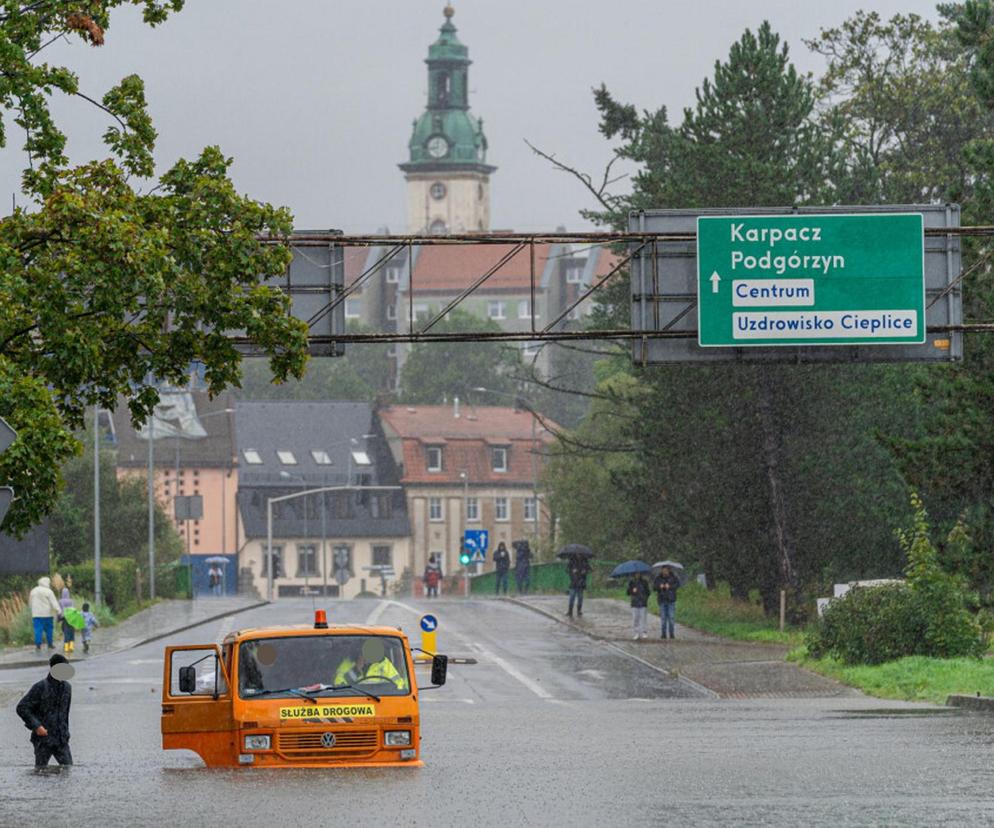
(151, 493)
(291, 476)
(269, 520)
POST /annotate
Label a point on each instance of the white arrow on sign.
(715, 279)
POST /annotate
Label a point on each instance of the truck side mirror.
(188, 679)
(439, 667)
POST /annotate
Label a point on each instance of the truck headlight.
(257, 742)
(397, 738)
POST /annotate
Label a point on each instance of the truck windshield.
(322, 665)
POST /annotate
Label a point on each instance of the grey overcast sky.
(315, 98)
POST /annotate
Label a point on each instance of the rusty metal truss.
(626, 245)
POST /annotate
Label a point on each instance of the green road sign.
(838, 279)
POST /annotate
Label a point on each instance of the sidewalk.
(164, 618)
(729, 669)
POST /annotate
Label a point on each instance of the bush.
(872, 625)
(929, 615)
(117, 581)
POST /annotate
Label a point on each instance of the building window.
(353, 308)
(575, 313)
(286, 458)
(472, 508)
(321, 457)
(530, 349)
(479, 193)
(307, 560)
(393, 275)
(498, 459)
(341, 562)
(524, 309)
(382, 556)
(420, 311)
(531, 510)
(438, 228)
(574, 275)
(391, 312)
(501, 512)
(277, 562)
(434, 458)
(434, 508)
(497, 310)
(438, 190)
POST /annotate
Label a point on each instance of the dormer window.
(252, 457)
(286, 457)
(434, 456)
(321, 457)
(498, 458)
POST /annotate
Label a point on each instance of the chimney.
(455, 407)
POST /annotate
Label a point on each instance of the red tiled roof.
(469, 440)
(451, 268)
(606, 261)
(355, 263)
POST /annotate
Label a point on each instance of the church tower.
(448, 179)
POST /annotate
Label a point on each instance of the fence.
(547, 577)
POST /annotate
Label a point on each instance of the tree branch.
(604, 198)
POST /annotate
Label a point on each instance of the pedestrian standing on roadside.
(502, 565)
(44, 610)
(45, 712)
(522, 566)
(215, 580)
(578, 568)
(638, 589)
(91, 622)
(68, 630)
(432, 577)
(666, 585)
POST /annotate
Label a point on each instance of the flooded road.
(549, 728)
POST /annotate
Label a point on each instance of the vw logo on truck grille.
(328, 740)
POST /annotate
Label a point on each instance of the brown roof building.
(465, 467)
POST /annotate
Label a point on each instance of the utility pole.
(150, 475)
(97, 591)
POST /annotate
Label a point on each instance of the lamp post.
(151, 494)
(269, 520)
(521, 401)
(97, 591)
(291, 476)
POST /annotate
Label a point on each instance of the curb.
(15, 665)
(561, 619)
(985, 704)
(610, 642)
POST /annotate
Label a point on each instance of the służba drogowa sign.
(839, 279)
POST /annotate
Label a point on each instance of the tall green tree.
(750, 471)
(123, 509)
(436, 371)
(112, 276)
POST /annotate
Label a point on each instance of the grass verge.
(914, 678)
(715, 611)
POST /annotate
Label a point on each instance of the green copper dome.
(447, 136)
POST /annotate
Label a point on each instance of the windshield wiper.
(304, 694)
(373, 696)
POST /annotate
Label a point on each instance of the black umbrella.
(575, 550)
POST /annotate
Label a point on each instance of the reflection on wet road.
(549, 728)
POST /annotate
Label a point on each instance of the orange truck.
(301, 696)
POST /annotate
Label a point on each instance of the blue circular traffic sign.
(429, 623)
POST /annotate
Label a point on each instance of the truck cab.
(299, 696)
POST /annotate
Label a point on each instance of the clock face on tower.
(437, 147)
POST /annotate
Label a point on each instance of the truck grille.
(308, 744)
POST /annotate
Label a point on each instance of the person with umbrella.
(577, 569)
(638, 590)
(665, 586)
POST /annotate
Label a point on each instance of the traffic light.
(465, 557)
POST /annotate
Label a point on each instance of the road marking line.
(513, 671)
(462, 701)
(507, 667)
(378, 610)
